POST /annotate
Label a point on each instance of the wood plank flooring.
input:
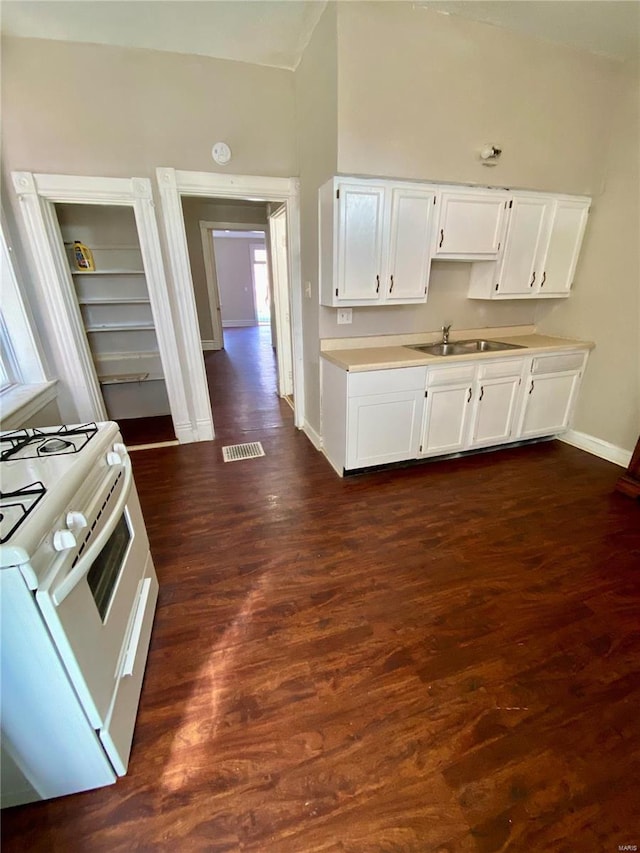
(430, 659)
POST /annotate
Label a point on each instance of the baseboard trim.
(598, 447)
(313, 436)
(209, 345)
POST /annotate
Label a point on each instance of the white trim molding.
(65, 329)
(22, 402)
(597, 446)
(313, 435)
(172, 185)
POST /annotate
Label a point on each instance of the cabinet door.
(495, 410)
(446, 418)
(383, 428)
(548, 403)
(470, 225)
(567, 230)
(518, 273)
(410, 245)
(360, 242)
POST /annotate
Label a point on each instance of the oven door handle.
(85, 562)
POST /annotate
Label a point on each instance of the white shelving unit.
(116, 310)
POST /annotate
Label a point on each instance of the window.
(24, 388)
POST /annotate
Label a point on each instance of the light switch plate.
(345, 315)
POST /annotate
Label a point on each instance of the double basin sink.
(466, 347)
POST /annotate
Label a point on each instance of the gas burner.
(15, 507)
(56, 441)
(55, 445)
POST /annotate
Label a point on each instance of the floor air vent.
(233, 452)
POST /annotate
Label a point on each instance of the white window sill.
(22, 402)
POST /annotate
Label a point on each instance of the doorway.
(105, 263)
(80, 396)
(229, 252)
(176, 186)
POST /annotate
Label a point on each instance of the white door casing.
(38, 194)
(173, 184)
(282, 299)
(206, 237)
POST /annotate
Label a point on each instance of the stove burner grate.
(16, 506)
(30, 443)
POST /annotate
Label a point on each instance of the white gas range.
(78, 592)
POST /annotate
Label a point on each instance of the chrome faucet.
(445, 333)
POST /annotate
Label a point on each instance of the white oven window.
(105, 570)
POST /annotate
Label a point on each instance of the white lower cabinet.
(373, 417)
(550, 394)
(448, 409)
(471, 405)
(381, 416)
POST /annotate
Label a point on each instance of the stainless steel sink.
(480, 345)
(465, 347)
(443, 349)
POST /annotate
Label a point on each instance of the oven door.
(90, 597)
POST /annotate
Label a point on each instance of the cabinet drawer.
(502, 368)
(557, 363)
(386, 381)
(451, 375)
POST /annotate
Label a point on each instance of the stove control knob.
(120, 449)
(114, 458)
(63, 540)
(76, 521)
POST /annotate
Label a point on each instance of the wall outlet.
(345, 315)
(307, 289)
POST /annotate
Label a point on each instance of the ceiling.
(276, 32)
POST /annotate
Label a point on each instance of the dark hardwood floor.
(429, 659)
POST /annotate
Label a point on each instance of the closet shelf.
(113, 300)
(107, 272)
(122, 378)
(130, 327)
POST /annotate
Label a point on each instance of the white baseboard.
(598, 447)
(209, 345)
(314, 437)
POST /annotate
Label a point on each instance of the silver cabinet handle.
(533, 278)
(441, 238)
(391, 288)
(377, 284)
(469, 397)
(532, 386)
(544, 278)
(481, 393)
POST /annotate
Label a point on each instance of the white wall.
(90, 109)
(419, 93)
(235, 281)
(605, 303)
(196, 210)
(317, 136)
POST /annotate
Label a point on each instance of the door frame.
(38, 193)
(174, 184)
(282, 303)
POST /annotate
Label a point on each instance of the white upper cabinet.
(520, 262)
(565, 240)
(470, 224)
(361, 234)
(542, 242)
(375, 241)
(409, 249)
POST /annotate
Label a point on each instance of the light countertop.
(380, 357)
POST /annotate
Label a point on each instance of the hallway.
(243, 386)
